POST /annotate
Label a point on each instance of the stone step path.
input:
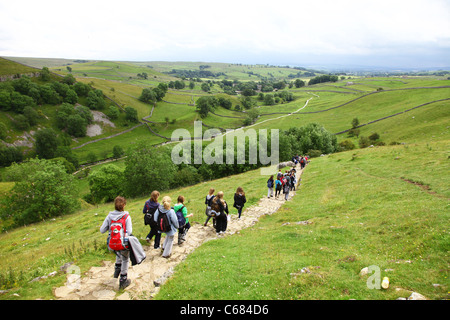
(146, 278)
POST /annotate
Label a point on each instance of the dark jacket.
(239, 200)
(150, 207)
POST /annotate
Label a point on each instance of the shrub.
(106, 183)
(314, 153)
(311, 137)
(374, 136)
(42, 190)
(364, 142)
(147, 169)
(346, 145)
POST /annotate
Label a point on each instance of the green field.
(362, 211)
(384, 206)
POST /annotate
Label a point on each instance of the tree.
(46, 143)
(374, 137)
(42, 190)
(205, 87)
(147, 96)
(69, 79)
(131, 114)
(71, 97)
(49, 95)
(312, 137)
(225, 103)
(81, 89)
(206, 104)
(163, 87)
(106, 183)
(269, 99)
(299, 83)
(76, 125)
(31, 115)
(147, 169)
(355, 122)
(95, 100)
(113, 112)
(247, 102)
(8, 155)
(252, 115)
(45, 74)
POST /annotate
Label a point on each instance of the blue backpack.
(180, 217)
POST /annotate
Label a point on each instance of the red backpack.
(117, 234)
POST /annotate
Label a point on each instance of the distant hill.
(11, 70)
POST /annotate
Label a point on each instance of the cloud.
(237, 30)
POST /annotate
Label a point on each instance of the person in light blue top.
(165, 207)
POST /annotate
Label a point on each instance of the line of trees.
(323, 78)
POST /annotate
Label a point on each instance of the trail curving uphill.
(146, 278)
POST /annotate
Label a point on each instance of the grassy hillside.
(363, 210)
(383, 206)
(8, 67)
(40, 249)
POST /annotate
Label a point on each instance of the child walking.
(122, 256)
(184, 229)
(278, 185)
(209, 197)
(219, 207)
(150, 207)
(270, 184)
(165, 207)
(239, 200)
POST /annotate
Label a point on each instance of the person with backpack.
(118, 223)
(219, 207)
(278, 185)
(180, 208)
(167, 222)
(286, 187)
(270, 184)
(150, 207)
(302, 162)
(239, 200)
(209, 197)
(293, 180)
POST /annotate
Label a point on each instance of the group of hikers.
(162, 218)
(172, 219)
(284, 181)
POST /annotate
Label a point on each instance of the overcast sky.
(402, 33)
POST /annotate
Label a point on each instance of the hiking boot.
(124, 281)
(117, 268)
